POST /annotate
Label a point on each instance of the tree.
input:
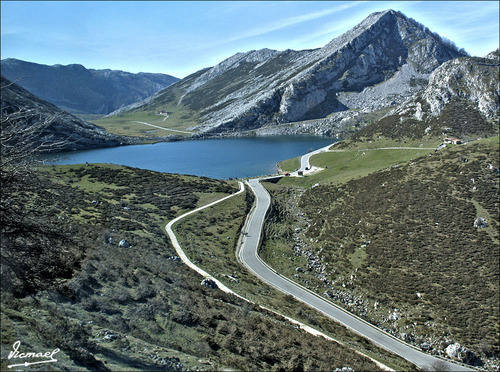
(33, 240)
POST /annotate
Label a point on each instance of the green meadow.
(132, 124)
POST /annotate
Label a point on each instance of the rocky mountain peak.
(381, 62)
(410, 39)
(385, 47)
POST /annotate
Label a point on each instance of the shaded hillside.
(462, 99)
(50, 128)
(79, 90)
(380, 62)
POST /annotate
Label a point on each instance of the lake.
(214, 158)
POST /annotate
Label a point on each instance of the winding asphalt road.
(248, 255)
(304, 160)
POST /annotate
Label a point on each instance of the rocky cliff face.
(462, 98)
(84, 91)
(474, 79)
(56, 130)
(381, 62)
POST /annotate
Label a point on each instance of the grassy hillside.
(209, 238)
(136, 307)
(179, 116)
(396, 231)
(132, 124)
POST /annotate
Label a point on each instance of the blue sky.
(182, 37)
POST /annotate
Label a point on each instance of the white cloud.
(291, 21)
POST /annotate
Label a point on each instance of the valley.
(127, 301)
(380, 251)
(287, 247)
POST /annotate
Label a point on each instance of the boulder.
(480, 223)
(124, 244)
(453, 350)
(394, 316)
(209, 283)
(425, 346)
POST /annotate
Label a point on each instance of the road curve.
(180, 252)
(221, 286)
(248, 255)
(170, 129)
(304, 160)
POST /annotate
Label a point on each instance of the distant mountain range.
(380, 63)
(389, 75)
(55, 130)
(79, 90)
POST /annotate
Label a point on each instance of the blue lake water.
(214, 158)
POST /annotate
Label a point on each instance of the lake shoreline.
(219, 157)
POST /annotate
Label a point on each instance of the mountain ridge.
(55, 129)
(79, 90)
(265, 88)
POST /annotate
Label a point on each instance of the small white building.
(453, 141)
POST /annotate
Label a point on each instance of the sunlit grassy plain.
(128, 124)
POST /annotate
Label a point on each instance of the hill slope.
(84, 91)
(380, 62)
(462, 99)
(112, 307)
(412, 247)
(53, 129)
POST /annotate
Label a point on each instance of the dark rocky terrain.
(79, 90)
(50, 128)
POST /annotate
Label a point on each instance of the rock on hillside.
(494, 55)
(461, 99)
(62, 130)
(84, 91)
(381, 62)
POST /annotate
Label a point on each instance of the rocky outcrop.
(494, 55)
(461, 353)
(379, 63)
(462, 99)
(475, 79)
(480, 223)
(79, 90)
(56, 130)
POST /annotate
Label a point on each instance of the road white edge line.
(191, 265)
